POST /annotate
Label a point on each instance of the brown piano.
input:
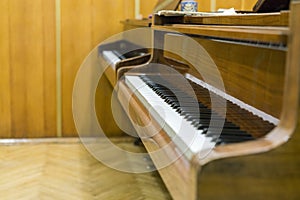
(255, 153)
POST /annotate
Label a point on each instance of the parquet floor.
(65, 170)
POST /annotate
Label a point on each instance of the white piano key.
(110, 56)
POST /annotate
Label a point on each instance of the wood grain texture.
(204, 6)
(84, 25)
(274, 172)
(241, 66)
(255, 34)
(49, 73)
(128, 9)
(147, 7)
(272, 169)
(272, 175)
(249, 67)
(28, 58)
(176, 171)
(111, 116)
(134, 23)
(66, 170)
(262, 19)
(5, 99)
(28, 69)
(248, 4)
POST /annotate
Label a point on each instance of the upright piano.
(219, 121)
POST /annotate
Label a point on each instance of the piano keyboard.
(190, 130)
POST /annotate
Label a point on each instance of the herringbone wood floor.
(65, 170)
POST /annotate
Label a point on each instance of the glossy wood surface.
(251, 68)
(255, 34)
(175, 170)
(134, 23)
(111, 116)
(273, 174)
(241, 66)
(268, 167)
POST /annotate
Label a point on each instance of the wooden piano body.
(260, 66)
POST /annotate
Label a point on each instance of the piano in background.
(256, 157)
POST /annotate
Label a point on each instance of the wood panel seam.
(58, 68)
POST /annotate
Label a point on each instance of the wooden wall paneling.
(84, 25)
(248, 4)
(128, 9)
(27, 109)
(27, 57)
(147, 7)
(49, 63)
(75, 45)
(5, 114)
(106, 17)
(204, 6)
(236, 4)
(100, 33)
(17, 68)
(33, 59)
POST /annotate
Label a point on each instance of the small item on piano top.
(230, 11)
(189, 6)
(220, 12)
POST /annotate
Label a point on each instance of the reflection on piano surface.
(250, 158)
